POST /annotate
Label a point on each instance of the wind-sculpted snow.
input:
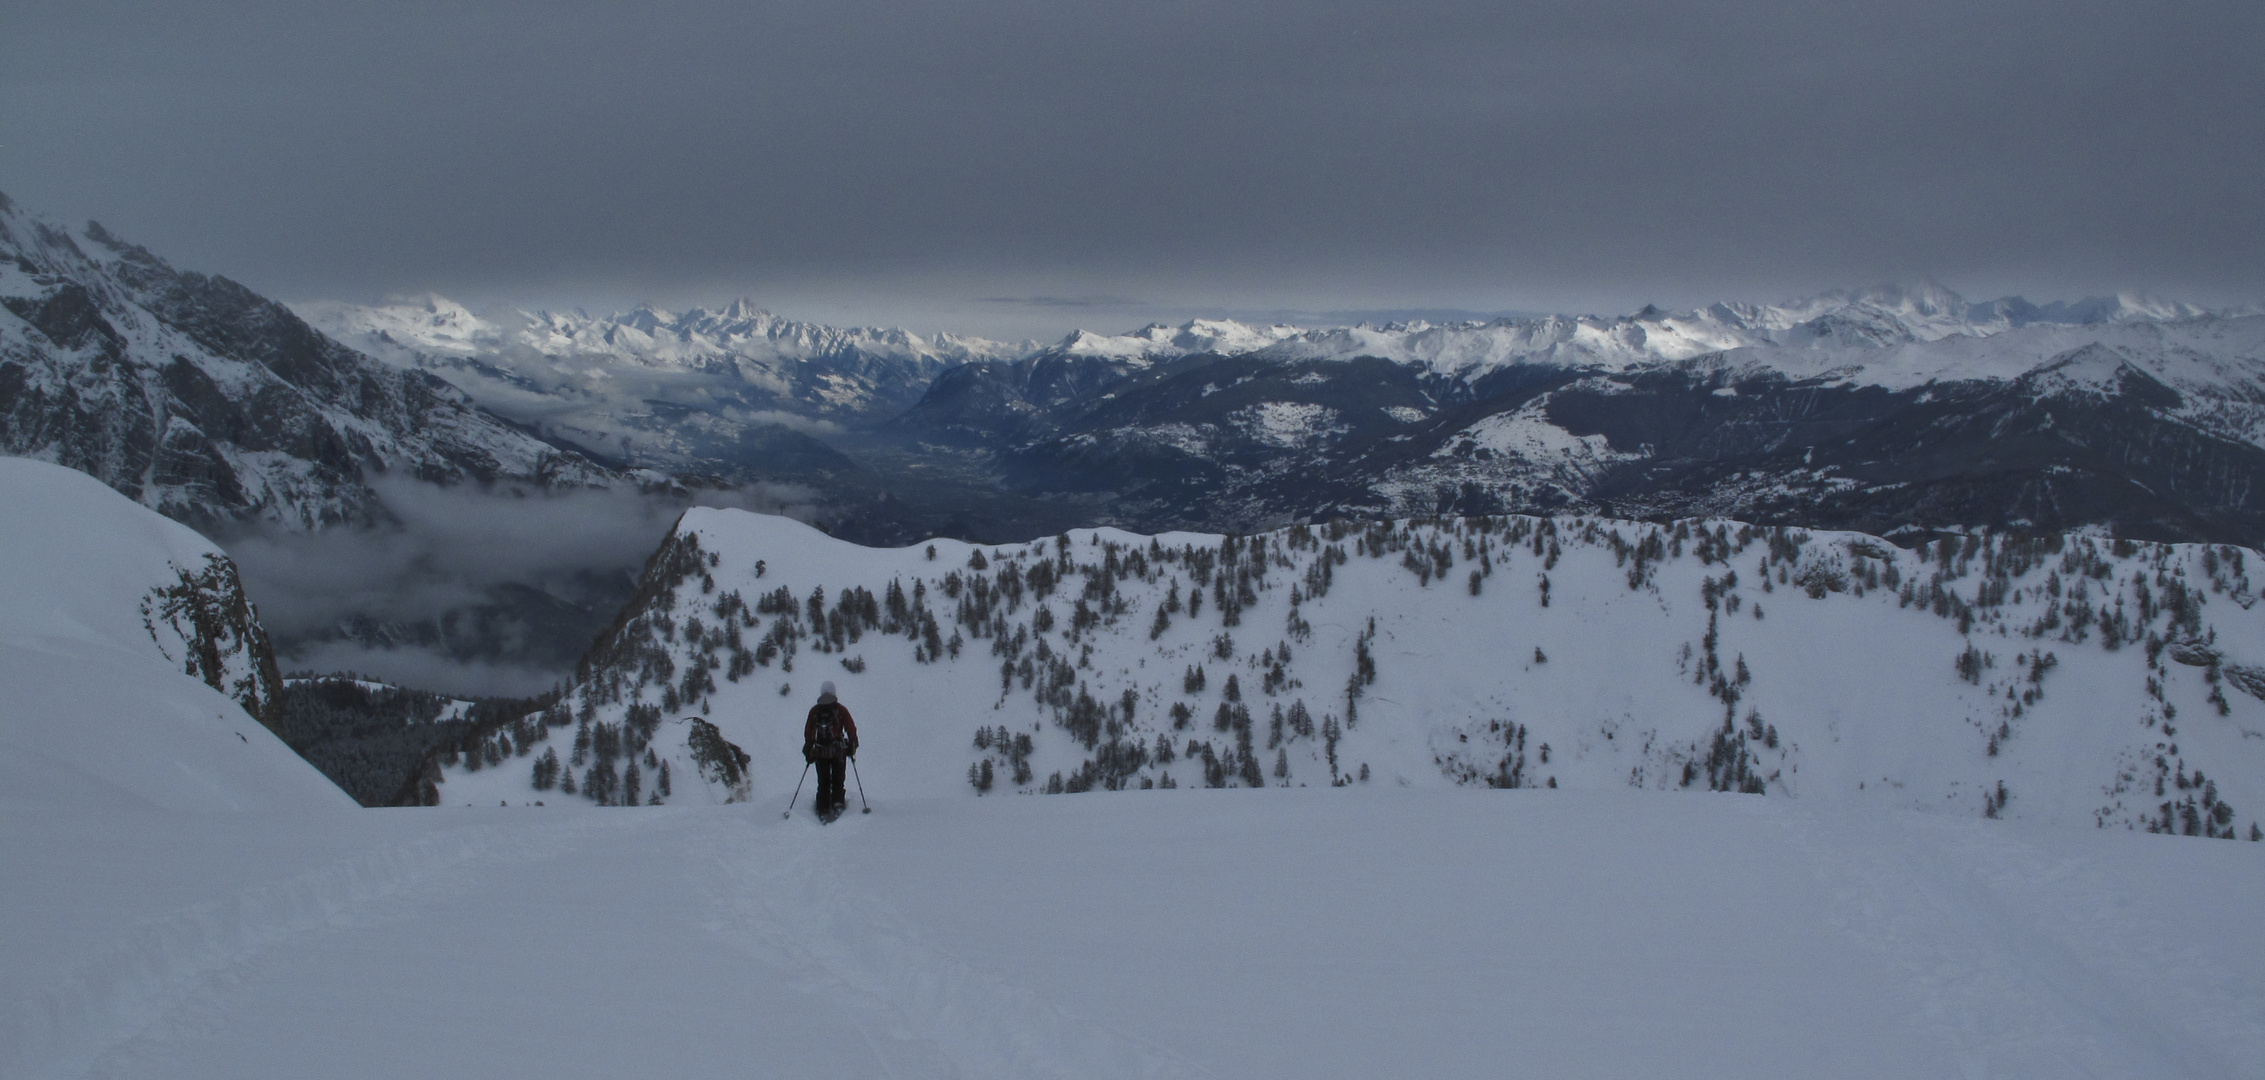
(2068, 679)
(136, 673)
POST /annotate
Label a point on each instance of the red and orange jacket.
(810, 728)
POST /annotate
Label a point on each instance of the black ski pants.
(831, 774)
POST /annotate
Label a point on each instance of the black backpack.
(826, 730)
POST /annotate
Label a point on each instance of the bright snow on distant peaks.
(1159, 340)
(1844, 331)
(435, 326)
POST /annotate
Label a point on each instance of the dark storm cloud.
(1254, 155)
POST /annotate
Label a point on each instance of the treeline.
(383, 744)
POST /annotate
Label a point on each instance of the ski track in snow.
(783, 899)
(2010, 951)
(771, 892)
(2025, 961)
(172, 963)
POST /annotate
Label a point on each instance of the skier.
(829, 739)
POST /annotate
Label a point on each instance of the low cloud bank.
(422, 668)
(467, 591)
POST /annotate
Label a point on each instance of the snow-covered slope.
(2064, 679)
(129, 658)
(1365, 932)
(201, 399)
(1368, 930)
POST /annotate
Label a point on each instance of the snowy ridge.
(1159, 341)
(2069, 679)
(130, 658)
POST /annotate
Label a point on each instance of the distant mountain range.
(1883, 410)
(1886, 408)
(736, 393)
(1863, 319)
(1897, 411)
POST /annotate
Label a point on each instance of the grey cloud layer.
(1311, 154)
(443, 553)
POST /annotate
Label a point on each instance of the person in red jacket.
(829, 740)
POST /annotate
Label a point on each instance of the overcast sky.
(1021, 168)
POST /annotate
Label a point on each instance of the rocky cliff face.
(204, 623)
(199, 398)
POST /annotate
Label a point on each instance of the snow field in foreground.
(1323, 932)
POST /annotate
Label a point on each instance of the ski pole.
(798, 790)
(860, 783)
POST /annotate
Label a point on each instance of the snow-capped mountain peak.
(1649, 335)
(1163, 341)
(647, 334)
(198, 397)
(1854, 322)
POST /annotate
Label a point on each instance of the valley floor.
(1324, 932)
